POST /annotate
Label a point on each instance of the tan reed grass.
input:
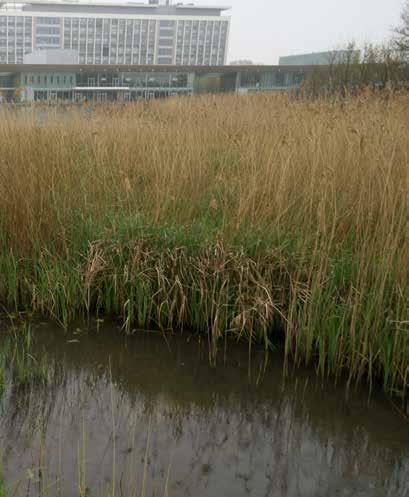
(261, 216)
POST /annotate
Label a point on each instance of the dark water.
(236, 430)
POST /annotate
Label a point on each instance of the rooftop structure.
(156, 32)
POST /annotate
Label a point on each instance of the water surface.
(124, 414)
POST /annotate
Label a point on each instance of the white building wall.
(52, 56)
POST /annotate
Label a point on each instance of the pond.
(149, 416)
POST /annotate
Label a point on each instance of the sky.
(262, 30)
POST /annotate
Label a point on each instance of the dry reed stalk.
(256, 216)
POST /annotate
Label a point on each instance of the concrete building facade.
(154, 33)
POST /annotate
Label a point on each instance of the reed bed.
(261, 217)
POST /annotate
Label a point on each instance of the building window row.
(15, 38)
(111, 41)
(47, 79)
(117, 41)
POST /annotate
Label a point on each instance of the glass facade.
(16, 38)
(48, 80)
(47, 32)
(177, 40)
(134, 80)
(201, 42)
(102, 86)
(270, 80)
(106, 83)
(147, 41)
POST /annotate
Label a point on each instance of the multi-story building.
(128, 33)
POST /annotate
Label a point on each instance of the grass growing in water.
(257, 216)
(16, 357)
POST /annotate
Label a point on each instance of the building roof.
(113, 68)
(115, 5)
(204, 7)
(71, 3)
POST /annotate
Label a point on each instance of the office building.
(128, 33)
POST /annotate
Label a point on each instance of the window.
(48, 20)
(164, 60)
(166, 32)
(165, 51)
(166, 42)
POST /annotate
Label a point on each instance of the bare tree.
(402, 32)
(373, 66)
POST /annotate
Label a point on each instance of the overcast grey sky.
(262, 30)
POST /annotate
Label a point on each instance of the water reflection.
(219, 432)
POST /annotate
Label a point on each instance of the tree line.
(383, 66)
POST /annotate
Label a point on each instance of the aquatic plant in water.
(266, 218)
(16, 357)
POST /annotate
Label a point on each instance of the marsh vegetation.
(279, 221)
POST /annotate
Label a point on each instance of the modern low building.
(103, 33)
(76, 83)
(320, 58)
